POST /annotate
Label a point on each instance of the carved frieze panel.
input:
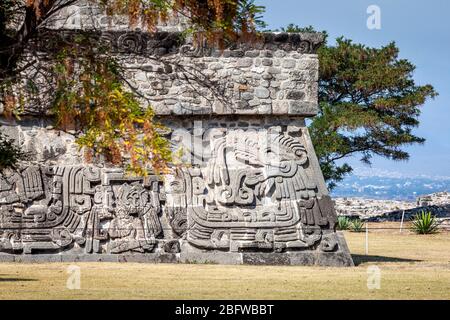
(253, 190)
(78, 207)
(241, 188)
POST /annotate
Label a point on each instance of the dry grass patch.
(412, 267)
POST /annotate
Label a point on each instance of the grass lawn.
(412, 267)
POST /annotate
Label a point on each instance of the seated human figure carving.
(126, 232)
(135, 225)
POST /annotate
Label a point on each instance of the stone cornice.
(164, 43)
(275, 74)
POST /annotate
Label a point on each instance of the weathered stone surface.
(150, 258)
(262, 92)
(194, 256)
(268, 197)
(301, 108)
(261, 258)
(7, 258)
(250, 189)
(295, 95)
(169, 70)
(140, 258)
(304, 258)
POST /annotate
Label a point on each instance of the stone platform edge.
(340, 258)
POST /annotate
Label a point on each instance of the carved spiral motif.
(245, 196)
(61, 236)
(225, 194)
(179, 223)
(106, 40)
(304, 47)
(130, 43)
(191, 51)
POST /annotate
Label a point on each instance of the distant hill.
(388, 185)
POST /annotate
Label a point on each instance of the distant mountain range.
(378, 184)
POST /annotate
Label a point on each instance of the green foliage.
(91, 96)
(10, 153)
(249, 11)
(91, 99)
(424, 223)
(343, 223)
(296, 29)
(369, 104)
(356, 225)
(216, 21)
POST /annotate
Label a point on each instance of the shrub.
(424, 223)
(343, 223)
(10, 153)
(356, 225)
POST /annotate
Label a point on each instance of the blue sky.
(421, 30)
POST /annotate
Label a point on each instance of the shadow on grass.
(14, 279)
(359, 259)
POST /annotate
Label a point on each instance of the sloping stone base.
(340, 258)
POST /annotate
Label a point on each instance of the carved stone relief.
(246, 190)
(249, 188)
(256, 192)
(71, 207)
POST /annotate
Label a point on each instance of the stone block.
(302, 258)
(334, 259)
(37, 258)
(149, 258)
(288, 63)
(265, 258)
(262, 93)
(195, 256)
(302, 108)
(6, 258)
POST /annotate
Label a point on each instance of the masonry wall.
(248, 189)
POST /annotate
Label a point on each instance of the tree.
(369, 104)
(216, 20)
(88, 89)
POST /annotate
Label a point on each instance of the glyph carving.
(256, 192)
(62, 208)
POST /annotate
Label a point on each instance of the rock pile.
(367, 208)
(434, 199)
(391, 210)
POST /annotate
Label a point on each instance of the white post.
(401, 223)
(367, 239)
